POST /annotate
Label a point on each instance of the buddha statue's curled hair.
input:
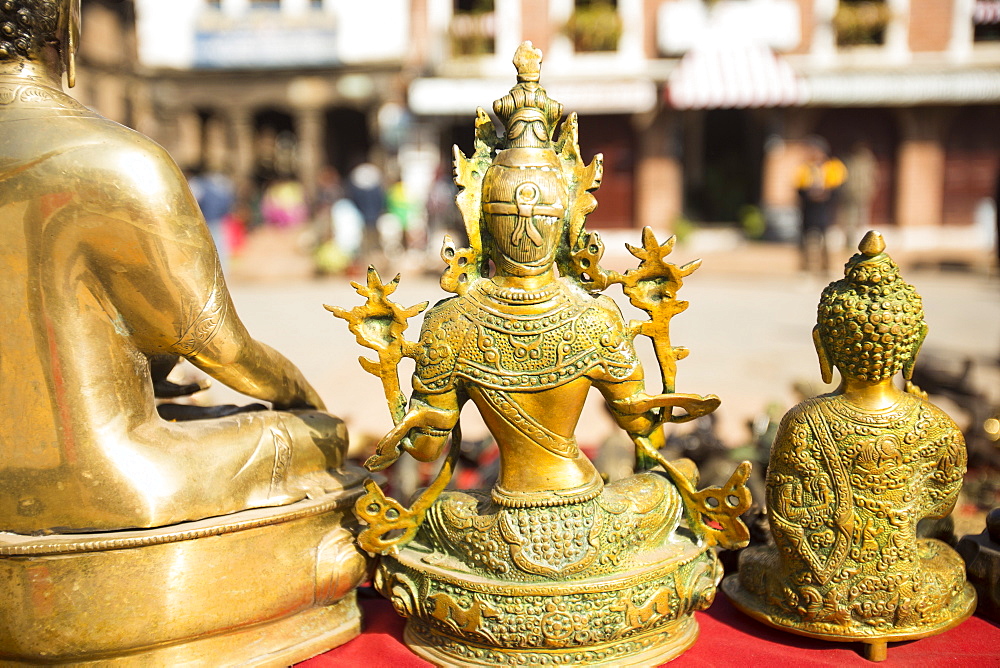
(871, 321)
(26, 26)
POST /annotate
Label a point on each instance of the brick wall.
(535, 24)
(972, 163)
(806, 22)
(930, 24)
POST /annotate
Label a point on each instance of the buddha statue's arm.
(946, 473)
(257, 370)
(158, 264)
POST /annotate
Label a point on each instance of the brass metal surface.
(107, 265)
(850, 476)
(260, 587)
(550, 564)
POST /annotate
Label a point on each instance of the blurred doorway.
(877, 129)
(348, 142)
(723, 161)
(613, 136)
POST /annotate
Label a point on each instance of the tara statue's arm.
(423, 431)
(619, 396)
(644, 428)
(159, 267)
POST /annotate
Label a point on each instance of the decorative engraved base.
(644, 649)
(752, 605)
(263, 587)
(638, 617)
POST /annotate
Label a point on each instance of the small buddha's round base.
(875, 640)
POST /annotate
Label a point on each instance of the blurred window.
(214, 4)
(595, 25)
(473, 28)
(271, 5)
(986, 21)
(861, 22)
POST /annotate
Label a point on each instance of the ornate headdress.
(871, 322)
(531, 201)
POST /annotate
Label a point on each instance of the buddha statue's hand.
(392, 444)
(301, 396)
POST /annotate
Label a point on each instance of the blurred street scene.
(767, 134)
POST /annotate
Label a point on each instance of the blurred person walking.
(216, 196)
(284, 204)
(365, 190)
(818, 182)
(858, 193)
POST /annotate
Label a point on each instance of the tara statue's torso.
(528, 365)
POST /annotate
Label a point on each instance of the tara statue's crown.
(527, 111)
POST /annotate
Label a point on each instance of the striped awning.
(726, 76)
(986, 12)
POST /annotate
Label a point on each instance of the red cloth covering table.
(728, 638)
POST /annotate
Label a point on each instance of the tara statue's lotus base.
(640, 617)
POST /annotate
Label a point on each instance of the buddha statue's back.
(108, 261)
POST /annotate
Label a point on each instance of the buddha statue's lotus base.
(640, 615)
(262, 587)
(946, 602)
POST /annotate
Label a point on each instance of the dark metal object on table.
(982, 564)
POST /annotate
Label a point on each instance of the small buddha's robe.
(846, 489)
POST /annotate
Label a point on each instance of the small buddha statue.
(551, 563)
(109, 268)
(852, 473)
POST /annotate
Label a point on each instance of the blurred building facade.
(700, 108)
(108, 78)
(266, 89)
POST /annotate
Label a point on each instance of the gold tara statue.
(122, 535)
(550, 565)
(852, 473)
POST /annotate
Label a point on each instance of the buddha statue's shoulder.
(912, 417)
(49, 131)
(935, 416)
(801, 412)
(445, 319)
(602, 311)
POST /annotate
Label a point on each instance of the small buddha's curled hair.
(26, 26)
(870, 321)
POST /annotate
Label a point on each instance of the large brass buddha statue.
(107, 263)
(550, 565)
(850, 476)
